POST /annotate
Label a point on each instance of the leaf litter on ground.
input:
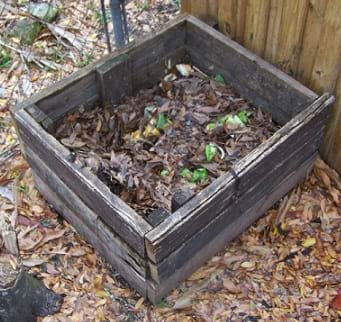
(186, 131)
(288, 281)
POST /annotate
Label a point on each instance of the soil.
(183, 133)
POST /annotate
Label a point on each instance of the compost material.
(183, 133)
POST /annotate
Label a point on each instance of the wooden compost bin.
(155, 259)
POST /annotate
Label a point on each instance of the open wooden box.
(156, 259)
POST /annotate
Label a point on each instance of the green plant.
(57, 54)
(210, 151)
(142, 5)
(5, 59)
(164, 173)
(85, 60)
(218, 78)
(199, 175)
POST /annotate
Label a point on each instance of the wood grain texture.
(85, 218)
(232, 211)
(96, 236)
(94, 193)
(311, 39)
(194, 215)
(331, 147)
(232, 17)
(293, 19)
(157, 291)
(249, 75)
(257, 18)
(327, 63)
(303, 38)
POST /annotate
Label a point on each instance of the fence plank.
(257, 18)
(327, 60)
(311, 39)
(290, 35)
(301, 37)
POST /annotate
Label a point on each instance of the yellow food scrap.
(150, 131)
(136, 136)
(310, 241)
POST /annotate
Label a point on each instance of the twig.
(8, 235)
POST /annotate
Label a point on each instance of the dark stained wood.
(115, 80)
(150, 74)
(157, 291)
(236, 208)
(253, 78)
(180, 197)
(94, 193)
(120, 78)
(157, 216)
(196, 213)
(99, 242)
(86, 218)
(155, 260)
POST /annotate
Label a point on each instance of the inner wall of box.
(144, 66)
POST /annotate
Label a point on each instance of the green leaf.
(210, 151)
(219, 79)
(222, 119)
(210, 126)
(243, 116)
(163, 304)
(234, 120)
(5, 59)
(199, 175)
(186, 173)
(161, 121)
(164, 173)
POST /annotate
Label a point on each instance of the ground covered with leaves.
(181, 134)
(286, 267)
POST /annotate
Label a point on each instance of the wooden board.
(252, 77)
(154, 258)
(98, 236)
(172, 232)
(233, 210)
(85, 216)
(94, 193)
(218, 241)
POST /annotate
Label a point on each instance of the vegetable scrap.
(183, 133)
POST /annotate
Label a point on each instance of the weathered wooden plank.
(83, 92)
(103, 244)
(186, 6)
(114, 80)
(48, 96)
(85, 216)
(311, 39)
(198, 211)
(291, 27)
(331, 148)
(121, 78)
(156, 292)
(227, 17)
(151, 74)
(327, 63)
(94, 193)
(274, 27)
(234, 210)
(154, 50)
(252, 77)
(257, 17)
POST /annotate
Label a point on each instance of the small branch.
(8, 235)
